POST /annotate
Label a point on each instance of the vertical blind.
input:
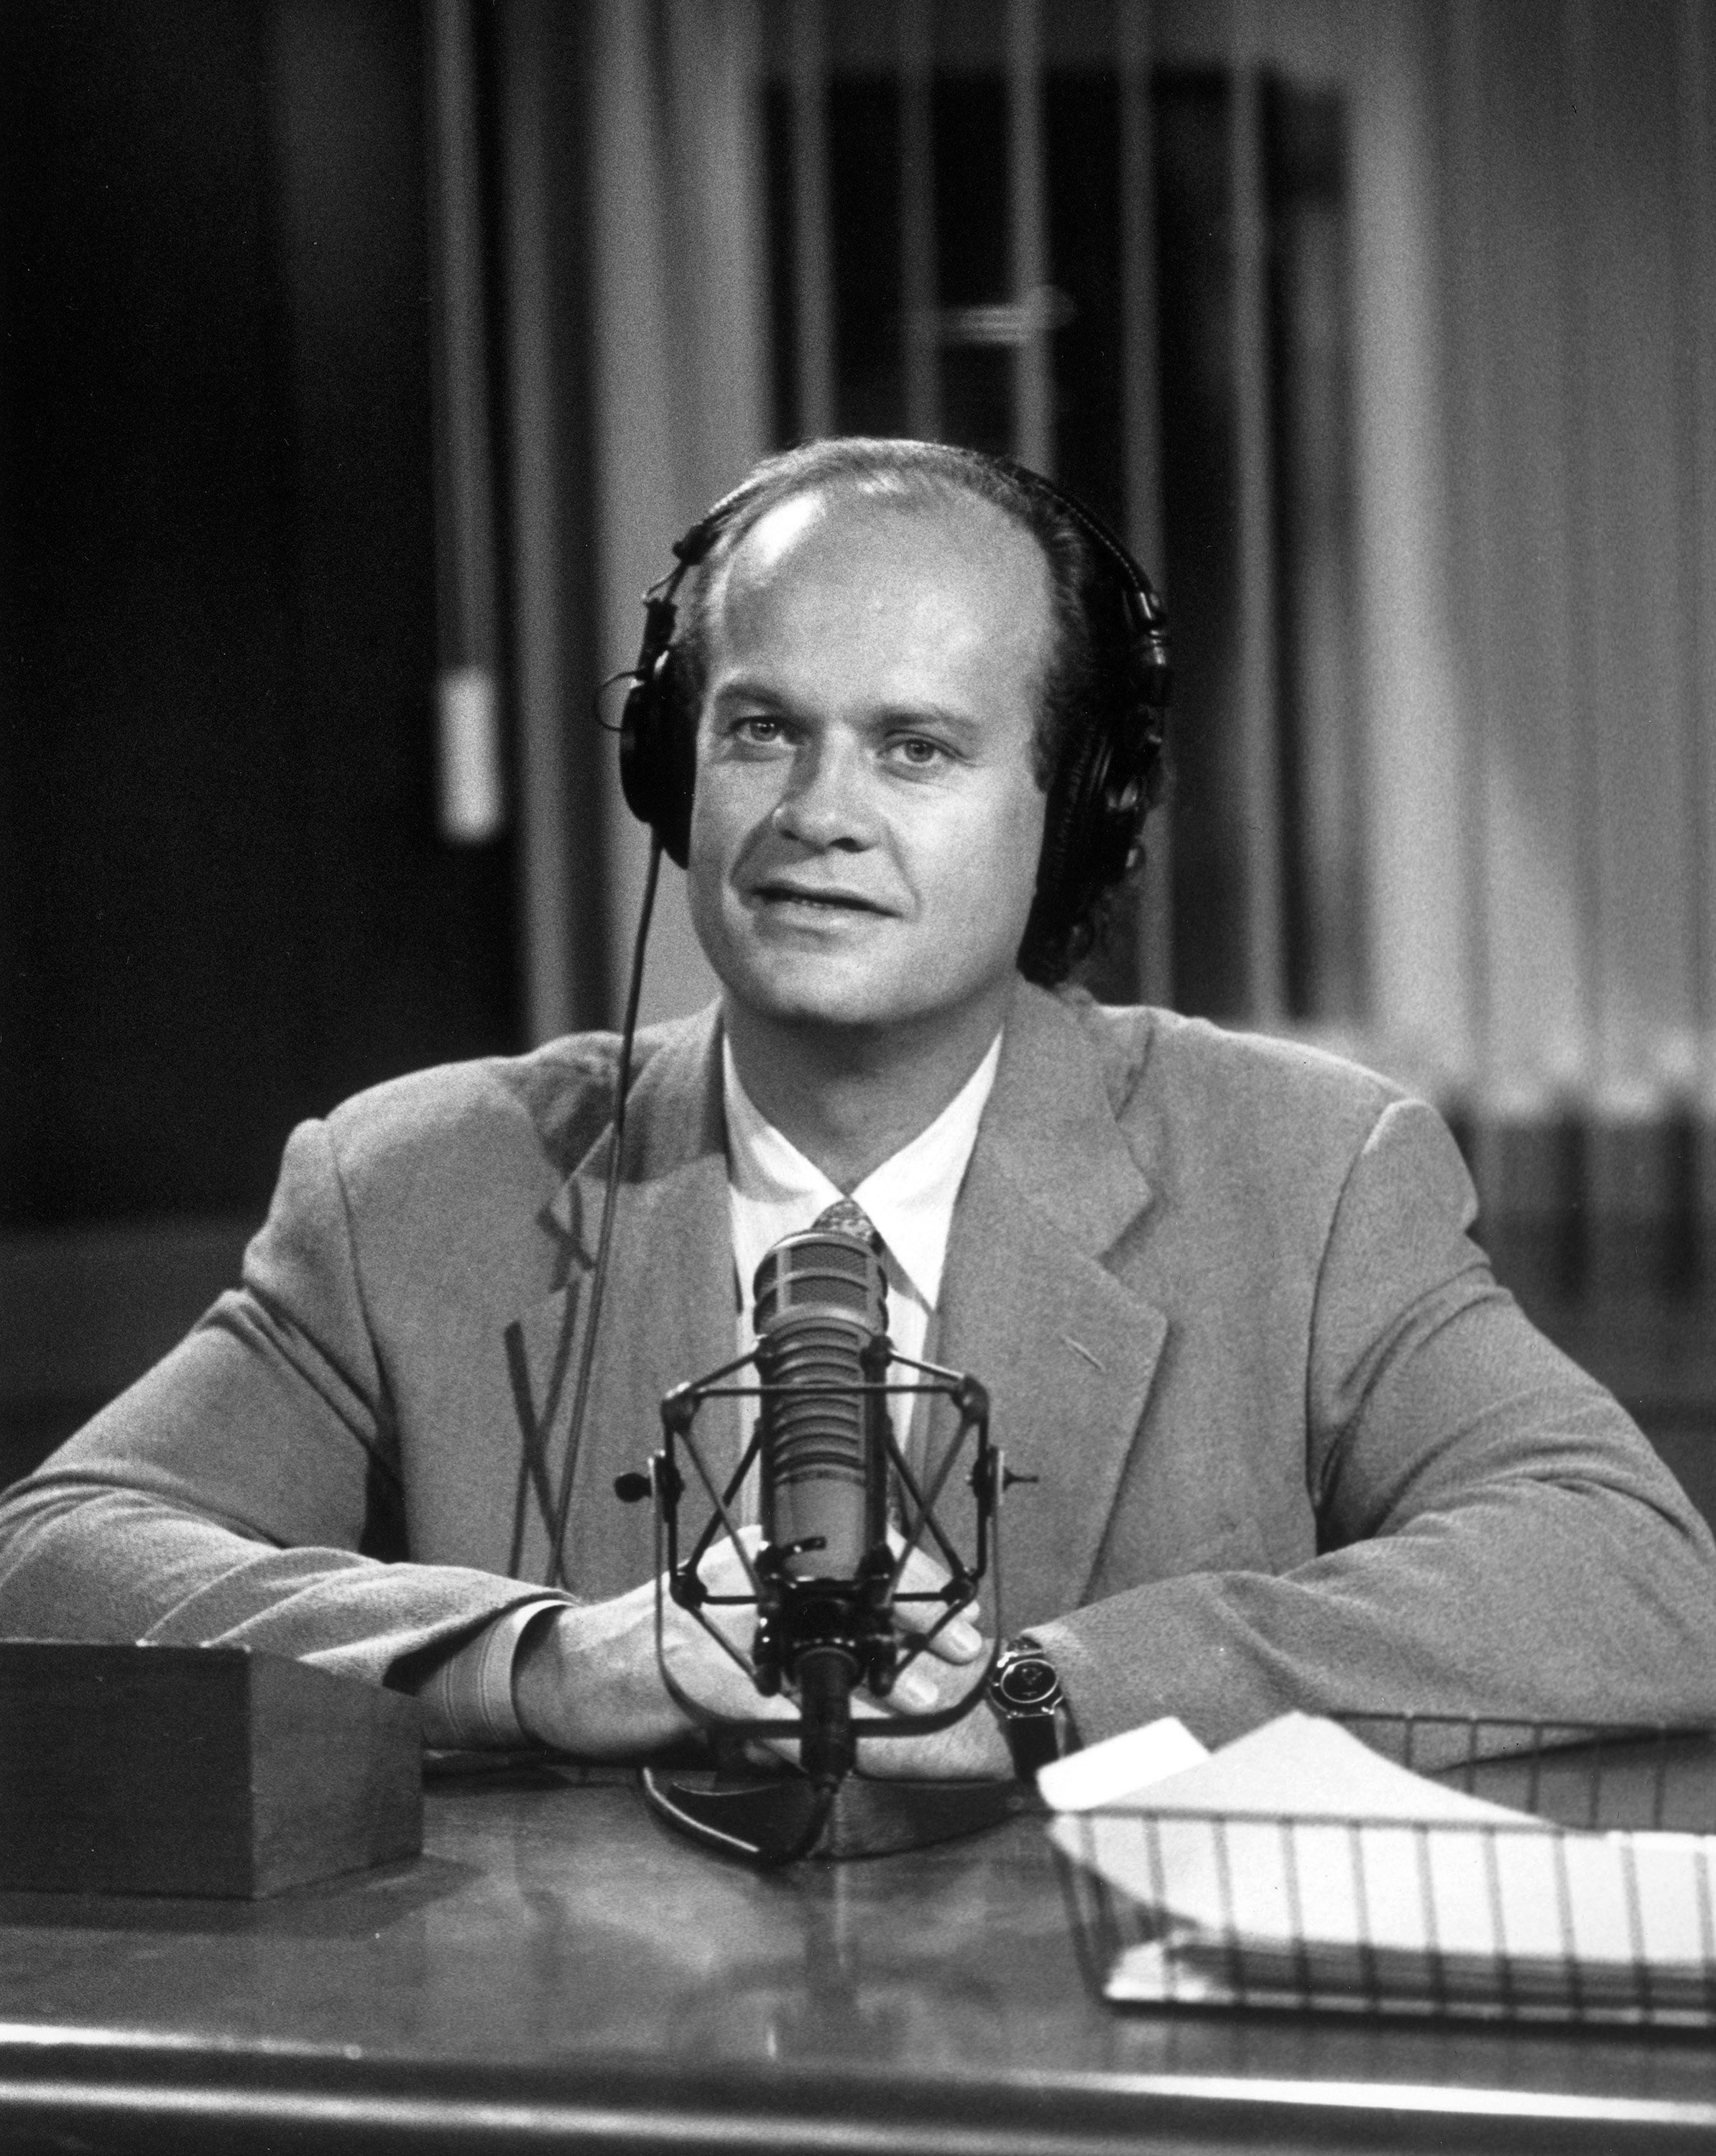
(972, 211)
(1384, 335)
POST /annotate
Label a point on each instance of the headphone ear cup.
(1063, 865)
(1096, 815)
(658, 757)
(1102, 823)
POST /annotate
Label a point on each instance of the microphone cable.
(610, 1201)
(783, 1824)
(807, 1831)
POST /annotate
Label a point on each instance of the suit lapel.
(1028, 1306)
(1066, 1349)
(667, 1315)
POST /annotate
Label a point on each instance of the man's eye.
(917, 752)
(758, 731)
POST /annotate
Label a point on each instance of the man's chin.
(820, 999)
(811, 1006)
(817, 991)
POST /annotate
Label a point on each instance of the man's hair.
(1089, 682)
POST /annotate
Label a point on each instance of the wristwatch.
(1025, 1691)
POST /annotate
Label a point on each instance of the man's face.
(867, 821)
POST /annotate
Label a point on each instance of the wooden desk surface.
(559, 1970)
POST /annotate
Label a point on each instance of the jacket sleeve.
(1494, 1536)
(236, 1494)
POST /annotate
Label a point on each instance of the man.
(1294, 1446)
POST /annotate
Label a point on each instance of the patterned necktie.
(847, 1217)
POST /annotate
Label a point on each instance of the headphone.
(1099, 794)
(1106, 776)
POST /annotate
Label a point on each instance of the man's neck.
(850, 1100)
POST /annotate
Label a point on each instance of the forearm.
(1496, 1537)
(1534, 1600)
(85, 1561)
(235, 1494)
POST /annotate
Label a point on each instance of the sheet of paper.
(1298, 1861)
(1119, 1767)
(1310, 1769)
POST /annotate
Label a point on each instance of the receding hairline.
(909, 477)
(920, 496)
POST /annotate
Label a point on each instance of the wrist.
(991, 1756)
(587, 1680)
(468, 1696)
(1027, 1703)
(538, 1690)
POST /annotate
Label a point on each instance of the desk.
(558, 1971)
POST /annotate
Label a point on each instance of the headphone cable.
(598, 1279)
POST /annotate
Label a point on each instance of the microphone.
(826, 1584)
(824, 1622)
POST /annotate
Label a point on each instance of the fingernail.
(959, 1638)
(914, 1691)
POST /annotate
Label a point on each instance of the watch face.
(1028, 1682)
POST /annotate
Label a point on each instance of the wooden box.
(196, 1770)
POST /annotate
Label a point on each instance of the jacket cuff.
(467, 1700)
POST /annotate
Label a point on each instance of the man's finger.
(958, 1640)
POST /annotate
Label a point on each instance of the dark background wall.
(223, 901)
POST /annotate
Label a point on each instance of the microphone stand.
(778, 1821)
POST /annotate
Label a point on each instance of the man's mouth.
(825, 900)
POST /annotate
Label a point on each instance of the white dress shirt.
(772, 1190)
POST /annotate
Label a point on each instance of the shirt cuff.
(468, 1701)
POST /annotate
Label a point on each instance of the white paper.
(1119, 1767)
(1300, 1765)
(1298, 1861)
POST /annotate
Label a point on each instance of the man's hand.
(586, 1679)
(972, 1749)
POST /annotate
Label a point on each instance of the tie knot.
(846, 1217)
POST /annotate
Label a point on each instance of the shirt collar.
(910, 1197)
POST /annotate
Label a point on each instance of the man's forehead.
(827, 531)
(781, 530)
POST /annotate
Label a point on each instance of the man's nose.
(827, 800)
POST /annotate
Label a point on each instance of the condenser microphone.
(827, 1580)
(825, 1623)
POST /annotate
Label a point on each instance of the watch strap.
(1025, 1694)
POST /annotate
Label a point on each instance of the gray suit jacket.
(1295, 1447)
